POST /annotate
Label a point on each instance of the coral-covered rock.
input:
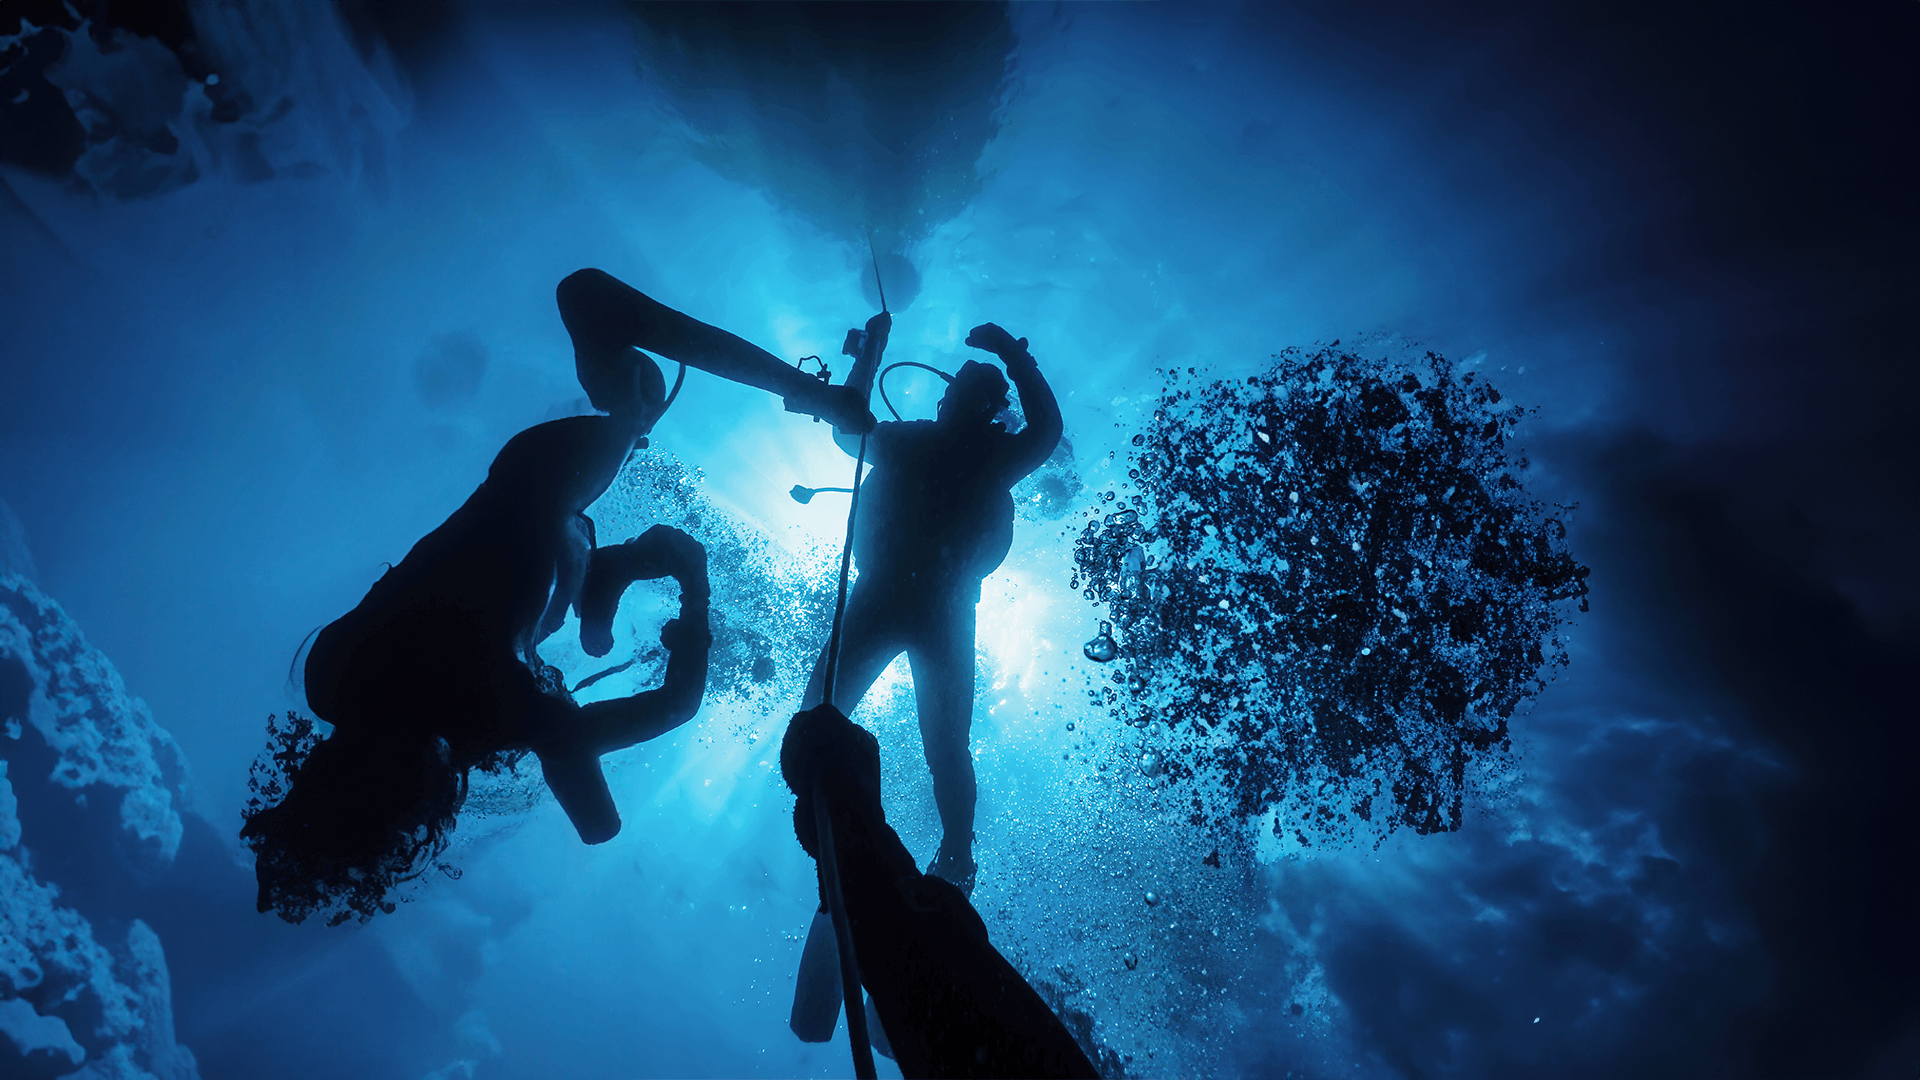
(90, 795)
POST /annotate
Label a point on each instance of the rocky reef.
(91, 790)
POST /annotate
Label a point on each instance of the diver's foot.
(955, 865)
(842, 406)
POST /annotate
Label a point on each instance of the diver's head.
(362, 813)
(977, 394)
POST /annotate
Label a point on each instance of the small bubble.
(1139, 440)
(1069, 725)
(1152, 898)
(1102, 648)
(1130, 960)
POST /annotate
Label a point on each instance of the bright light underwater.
(1451, 635)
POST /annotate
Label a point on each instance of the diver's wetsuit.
(936, 516)
(443, 645)
(950, 1004)
(443, 642)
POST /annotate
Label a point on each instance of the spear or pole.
(876, 274)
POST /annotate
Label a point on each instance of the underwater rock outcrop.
(135, 100)
(90, 795)
(1331, 587)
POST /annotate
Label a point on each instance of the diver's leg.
(617, 723)
(869, 640)
(606, 315)
(942, 660)
(573, 775)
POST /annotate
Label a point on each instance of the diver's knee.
(582, 286)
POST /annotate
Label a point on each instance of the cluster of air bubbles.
(1332, 589)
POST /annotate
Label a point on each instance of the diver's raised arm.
(606, 316)
(1035, 443)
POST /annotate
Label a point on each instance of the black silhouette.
(609, 318)
(949, 1004)
(936, 516)
(435, 672)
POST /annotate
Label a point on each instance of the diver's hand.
(826, 752)
(680, 557)
(664, 551)
(990, 337)
(845, 407)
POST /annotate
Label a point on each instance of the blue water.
(225, 406)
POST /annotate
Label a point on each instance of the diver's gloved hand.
(990, 337)
(825, 750)
(664, 551)
(685, 560)
(845, 407)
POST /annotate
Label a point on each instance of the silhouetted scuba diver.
(435, 671)
(948, 1003)
(936, 516)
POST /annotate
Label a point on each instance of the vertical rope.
(850, 994)
(846, 570)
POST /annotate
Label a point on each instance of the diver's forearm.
(685, 685)
(1041, 408)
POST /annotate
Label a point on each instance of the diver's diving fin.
(816, 989)
(817, 993)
